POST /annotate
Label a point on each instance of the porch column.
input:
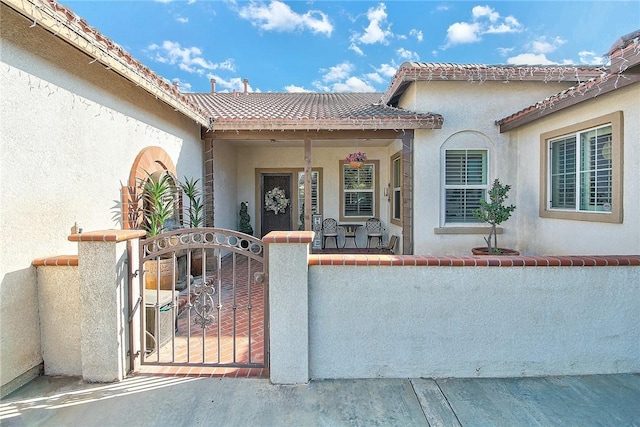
(307, 184)
(207, 155)
(407, 192)
(105, 269)
(288, 253)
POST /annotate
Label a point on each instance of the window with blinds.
(358, 190)
(581, 171)
(465, 184)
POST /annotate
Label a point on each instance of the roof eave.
(432, 122)
(566, 99)
(59, 20)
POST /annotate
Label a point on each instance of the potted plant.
(494, 212)
(194, 213)
(158, 192)
(356, 160)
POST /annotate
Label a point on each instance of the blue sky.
(349, 46)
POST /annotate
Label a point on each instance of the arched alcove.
(150, 161)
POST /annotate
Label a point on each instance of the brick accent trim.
(107, 236)
(56, 261)
(473, 261)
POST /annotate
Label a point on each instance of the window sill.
(465, 230)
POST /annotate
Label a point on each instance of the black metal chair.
(374, 229)
(329, 230)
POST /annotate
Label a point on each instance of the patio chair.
(390, 246)
(374, 229)
(329, 230)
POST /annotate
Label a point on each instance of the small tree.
(245, 224)
(494, 212)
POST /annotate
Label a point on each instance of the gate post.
(104, 278)
(288, 253)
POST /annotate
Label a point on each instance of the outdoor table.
(350, 231)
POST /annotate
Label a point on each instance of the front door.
(278, 216)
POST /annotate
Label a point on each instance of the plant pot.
(500, 252)
(196, 263)
(355, 165)
(168, 276)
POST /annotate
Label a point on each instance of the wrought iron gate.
(203, 296)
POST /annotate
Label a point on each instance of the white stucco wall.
(557, 236)
(407, 322)
(470, 110)
(70, 131)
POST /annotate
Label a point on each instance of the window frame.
(484, 187)
(395, 187)
(615, 215)
(375, 191)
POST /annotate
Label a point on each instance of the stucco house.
(81, 119)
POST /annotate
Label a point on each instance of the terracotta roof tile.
(243, 111)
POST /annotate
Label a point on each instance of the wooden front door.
(270, 220)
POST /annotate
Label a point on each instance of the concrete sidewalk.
(599, 400)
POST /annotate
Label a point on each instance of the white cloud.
(278, 16)
(479, 12)
(407, 54)
(388, 70)
(353, 84)
(463, 32)
(182, 19)
(543, 46)
(338, 72)
(354, 47)
(188, 59)
(375, 77)
(504, 51)
(485, 20)
(530, 59)
(295, 89)
(377, 31)
(417, 34)
(590, 58)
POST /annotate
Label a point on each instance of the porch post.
(288, 253)
(307, 184)
(407, 192)
(105, 270)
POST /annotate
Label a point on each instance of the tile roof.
(429, 71)
(325, 111)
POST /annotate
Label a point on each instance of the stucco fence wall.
(385, 316)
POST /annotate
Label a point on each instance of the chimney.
(213, 85)
(246, 83)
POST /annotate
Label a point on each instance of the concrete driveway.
(599, 400)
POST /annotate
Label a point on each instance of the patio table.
(350, 231)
